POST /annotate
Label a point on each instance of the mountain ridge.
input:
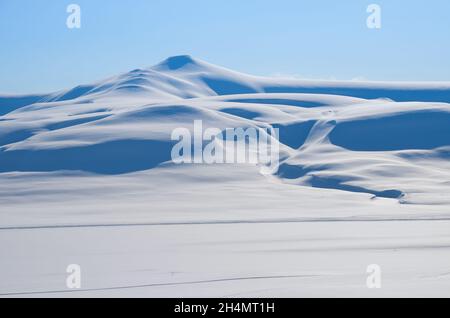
(205, 79)
(352, 137)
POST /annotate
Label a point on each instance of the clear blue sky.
(307, 38)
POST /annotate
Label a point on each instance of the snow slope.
(388, 148)
(98, 157)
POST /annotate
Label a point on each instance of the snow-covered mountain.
(86, 178)
(385, 139)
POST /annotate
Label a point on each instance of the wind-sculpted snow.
(363, 177)
(413, 130)
(11, 103)
(387, 140)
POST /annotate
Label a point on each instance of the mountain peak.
(178, 62)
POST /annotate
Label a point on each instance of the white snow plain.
(364, 178)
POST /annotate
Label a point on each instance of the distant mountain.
(186, 77)
(388, 140)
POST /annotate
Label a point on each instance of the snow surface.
(364, 177)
